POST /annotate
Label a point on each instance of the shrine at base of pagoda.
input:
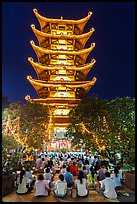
(61, 72)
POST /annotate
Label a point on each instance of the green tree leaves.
(107, 127)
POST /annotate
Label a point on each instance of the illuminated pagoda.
(61, 70)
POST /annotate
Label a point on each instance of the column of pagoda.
(61, 68)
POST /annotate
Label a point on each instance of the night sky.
(114, 52)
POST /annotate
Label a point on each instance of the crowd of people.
(77, 173)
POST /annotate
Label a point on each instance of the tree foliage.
(107, 127)
(25, 123)
(33, 122)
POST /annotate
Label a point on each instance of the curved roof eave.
(82, 38)
(39, 83)
(39, 67)
(83, 52)
(80, 23)
(59, 101)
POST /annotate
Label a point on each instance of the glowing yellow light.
(62, 41)
(62, 94)
(61, 112)
(62, 56)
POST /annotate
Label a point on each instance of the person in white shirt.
(60, 187)
(30, 177)
(22, 183)
(63, 170)
(81, 185)
(47, 174)
(41, 187)
(107, 187)
(116, 176)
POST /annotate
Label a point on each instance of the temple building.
(61, 71)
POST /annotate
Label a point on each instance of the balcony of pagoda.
(62, 100)
(59, 119)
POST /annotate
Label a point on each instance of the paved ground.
(92, 197)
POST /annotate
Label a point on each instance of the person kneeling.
(60, 187)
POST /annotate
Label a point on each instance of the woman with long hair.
(22, 187)
(92, 178)
(81, 185)
(116, 176)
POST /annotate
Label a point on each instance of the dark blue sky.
(114, 52)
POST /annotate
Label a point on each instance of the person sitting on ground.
(41, 187)
(38, 162)
(60, 187)
(80, 163)
(53, 170)
(85, 172)
(107, 187)
(101, 173)
(48, 177)
(116, 176)
(81, 185)
(74, 169)
(30, 177)
(22, 183)
(63, 170)
(69, 177)
(92, 180)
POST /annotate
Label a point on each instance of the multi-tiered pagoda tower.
(61, 70)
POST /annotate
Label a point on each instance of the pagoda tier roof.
(80, 23)
(40, 51)
(70, 102)
(37, 84)
(82, 38)
(39, 68)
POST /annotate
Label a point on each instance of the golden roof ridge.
(65, 52)
(54, 20)
(55, 67)
(83, 35)
(53, 84)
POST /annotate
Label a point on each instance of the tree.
(106, 127)
(33, 122)
(26, 124)
(122, 114)
(10, 132)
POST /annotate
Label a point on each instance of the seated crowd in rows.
(76, 173)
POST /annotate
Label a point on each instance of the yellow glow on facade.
(61, 112)
(62, 78)
(62, 95)
(62, 56)
(62, 71)
(62, 41)
(61, 68)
